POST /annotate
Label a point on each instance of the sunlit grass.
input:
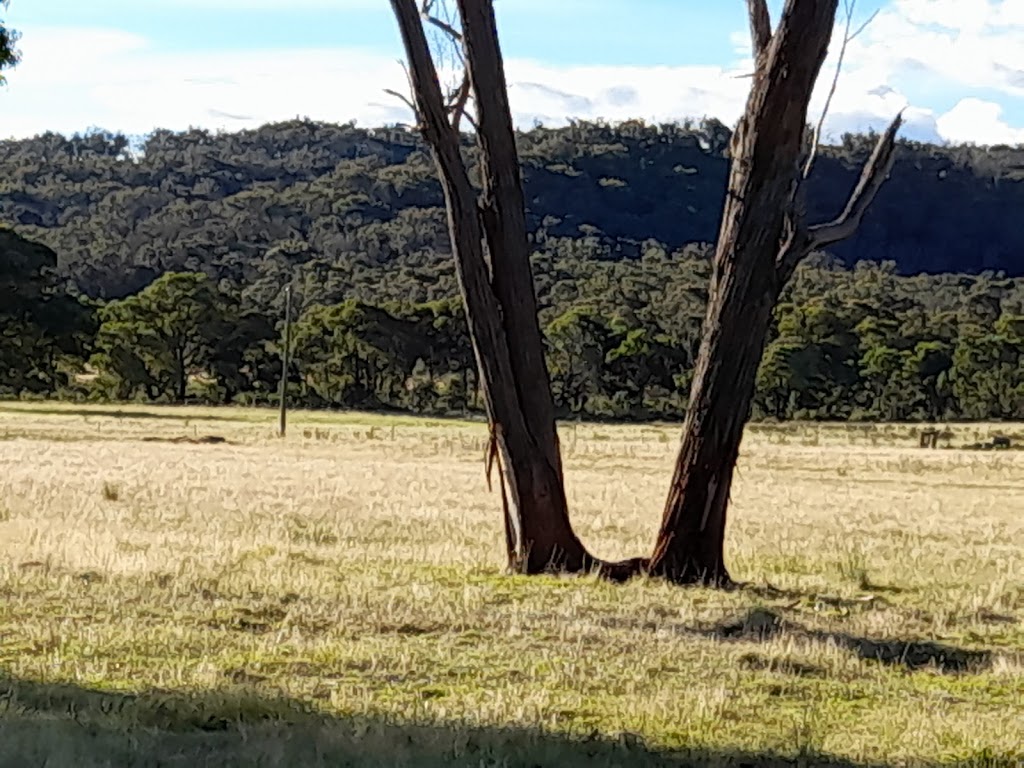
(347, 582)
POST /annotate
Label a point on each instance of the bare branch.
(871, 180)
(430, 104)
(797, 243)
(459, 95)
(760, 27)
(444, 26)
(405, 99)
(801, 239)
(863, 26)
(849, 6)
(458, 105)
(795, 230)
(455, 105)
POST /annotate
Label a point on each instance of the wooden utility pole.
(283, 424)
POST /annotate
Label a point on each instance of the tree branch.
(802, 240)
(760, 27)
(871, 180)
(426, 87)
(863, 26)
(458, 105)
(444, 26)
(849, 6)
(460, 96)
(405, 99)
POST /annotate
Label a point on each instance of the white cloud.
(929, 48)
(958, 44)
(623, 93)
(934, 49)
(980, 122)
(119, 83)
(963, 14)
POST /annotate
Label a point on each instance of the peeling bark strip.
(488, 234)
(763, 237)
(760, 28)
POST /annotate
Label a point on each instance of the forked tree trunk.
(763, 237)
(488, 234)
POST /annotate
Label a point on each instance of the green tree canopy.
(43, 330)
(153, 341)
(8, 44)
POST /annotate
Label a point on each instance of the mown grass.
(337, 598)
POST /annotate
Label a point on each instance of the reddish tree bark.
(488, 234)
(762, 239)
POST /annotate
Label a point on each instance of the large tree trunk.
(504, 220)
(541, 534)
(492, 258)
(690, 545)
(761, 240)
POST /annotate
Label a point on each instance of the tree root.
(624, 570)
(621, 571)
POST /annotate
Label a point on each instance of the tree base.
(693, 573)
(621, 571)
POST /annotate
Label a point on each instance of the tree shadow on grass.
(59, 725)
(760, 624)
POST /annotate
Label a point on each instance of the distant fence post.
(283, 423)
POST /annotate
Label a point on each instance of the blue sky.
(957, 66)
(651, 32)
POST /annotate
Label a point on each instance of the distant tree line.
(847, 344)
(350, 209)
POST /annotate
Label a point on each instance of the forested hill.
(349, 204)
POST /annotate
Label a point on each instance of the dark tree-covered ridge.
(354, 220)
(246, 206)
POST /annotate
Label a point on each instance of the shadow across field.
(66, 725)
(761, 625)
(166, 413)
(254, 415)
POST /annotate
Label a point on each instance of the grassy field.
(338, 598)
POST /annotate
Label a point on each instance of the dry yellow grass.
(338, 599)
